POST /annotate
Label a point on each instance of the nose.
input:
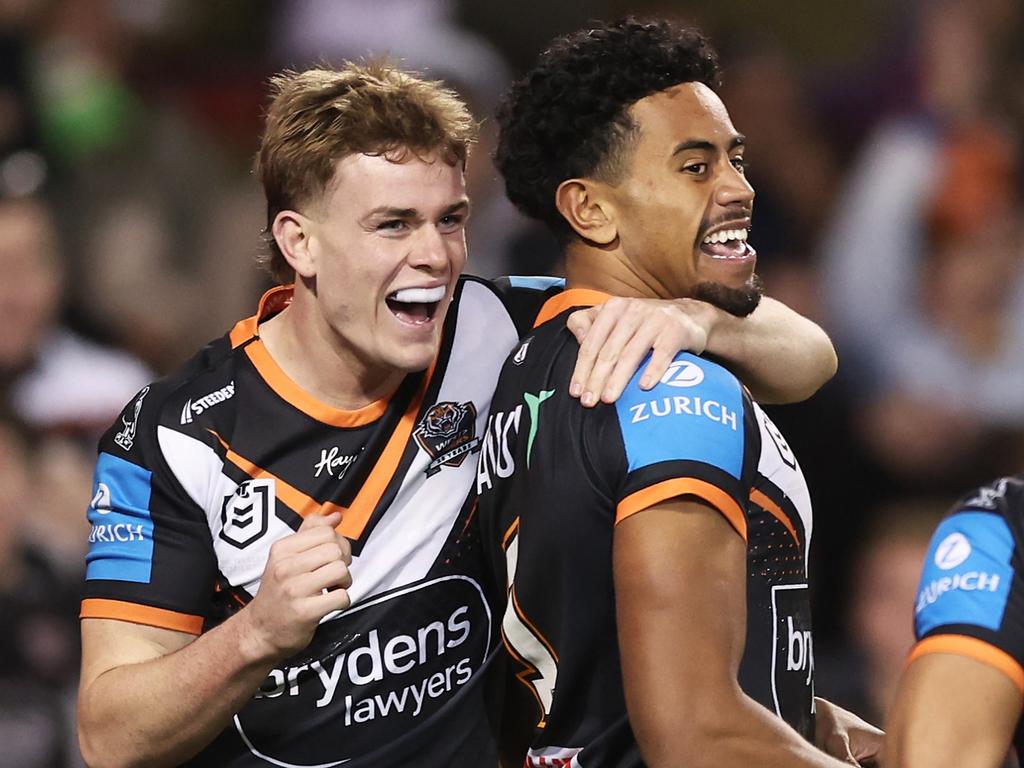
(734, 188)
(430, 250)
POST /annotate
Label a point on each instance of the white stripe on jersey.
(778, 463)
(407, 540)
(200, 472)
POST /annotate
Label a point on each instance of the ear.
(588, 210)
(292, 232)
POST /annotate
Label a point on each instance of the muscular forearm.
(780, 355)
(164, 710)
(738, 735)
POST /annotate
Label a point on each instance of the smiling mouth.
(728, 244)
(415, 306)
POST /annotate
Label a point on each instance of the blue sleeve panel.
(967, 573)
(121, 539)
(536, 283)
(695, 413)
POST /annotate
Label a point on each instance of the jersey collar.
(571, 297)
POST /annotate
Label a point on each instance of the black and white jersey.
(206, 469)
(778, 661)
(971, 598)
(553, 480)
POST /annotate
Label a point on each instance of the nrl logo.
(245, 514)
(448, 434)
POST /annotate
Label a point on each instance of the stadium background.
(885, 139)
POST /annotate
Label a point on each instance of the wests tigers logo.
(447, 432)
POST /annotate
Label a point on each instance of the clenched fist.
(305, 579)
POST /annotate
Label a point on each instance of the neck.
(307, 349)
(610, 271)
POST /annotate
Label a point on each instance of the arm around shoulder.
(782, 356)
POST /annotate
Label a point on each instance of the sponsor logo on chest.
(334, 463)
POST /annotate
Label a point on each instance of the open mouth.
(728, 244)
(415, 305)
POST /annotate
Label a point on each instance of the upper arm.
(108, 643)
(679, 570)
(952, 710)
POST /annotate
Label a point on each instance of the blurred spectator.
(925, 268)
(162, 220)
(55, 379)
(861, 674)
(38, 597)
(425, 36)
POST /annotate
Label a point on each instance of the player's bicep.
(679, 570)
(952, 710)
(109, 643)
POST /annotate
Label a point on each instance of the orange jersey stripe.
(354, 521)
(572, 297)
(97, 608)
(973, 648)
(775, 511)
(292, 393)
(355, 517)
(684, 486)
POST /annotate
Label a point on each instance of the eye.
(696, 169)
(391, 225)
(740, 164)
(452, 222)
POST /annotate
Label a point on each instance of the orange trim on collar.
(571, 297)
(295, 395)
(272, 302)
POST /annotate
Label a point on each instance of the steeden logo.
(683, 373)
(953, 551)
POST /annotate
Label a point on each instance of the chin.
(736, 301)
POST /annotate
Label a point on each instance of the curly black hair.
(568, 117)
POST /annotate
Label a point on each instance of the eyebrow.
(389, 212)
(737, 141)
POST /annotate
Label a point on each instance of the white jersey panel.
(778, 463)
(407, 540)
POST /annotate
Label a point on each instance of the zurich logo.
(683, 373)
(952, 551)
(101, 501)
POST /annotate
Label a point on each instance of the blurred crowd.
(885, 146)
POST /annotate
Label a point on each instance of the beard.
(736, 301)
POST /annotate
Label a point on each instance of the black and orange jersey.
(206, 469)
(777, 668)
(971, 601)
(553, 480)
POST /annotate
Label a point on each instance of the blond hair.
(319, 116)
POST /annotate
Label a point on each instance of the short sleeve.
(968, 601)
(149, 559)
(691, 435)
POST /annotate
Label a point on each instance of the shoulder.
(522, 296)
(698, 411)
(173, 401)
(692, 386)
(972, 558)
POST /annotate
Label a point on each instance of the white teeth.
(725, 235)
(418, 295)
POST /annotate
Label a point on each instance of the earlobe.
(588, 211)
(292, 232)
